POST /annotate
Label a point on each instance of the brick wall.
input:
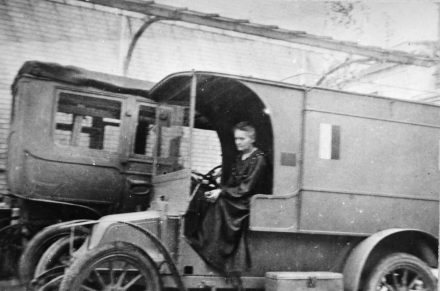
(53, 32)
(96, 38)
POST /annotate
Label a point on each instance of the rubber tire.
(38, 245)
(81, 267)
(57, 249)
(397, 260)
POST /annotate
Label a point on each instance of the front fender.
(140, 229)
(73, 223)
(117, 227)
(357, 260)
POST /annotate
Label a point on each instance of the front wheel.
(401, 271)
(113, 266)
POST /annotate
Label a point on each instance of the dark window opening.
(188, 270)
(144, 138)
(88, 122)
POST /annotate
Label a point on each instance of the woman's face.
(243, 140)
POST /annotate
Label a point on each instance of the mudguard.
(116, 227)
(140, 229)
(357, 259)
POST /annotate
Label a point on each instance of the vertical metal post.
(156, 142)
(192, 113)
(71, 240)
(437, 83)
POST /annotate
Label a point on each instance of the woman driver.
(221, 237)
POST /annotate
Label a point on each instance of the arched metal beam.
(342, 65)
(135, 39)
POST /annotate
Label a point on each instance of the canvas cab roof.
(82, 77)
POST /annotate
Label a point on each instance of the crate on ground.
(303, 281)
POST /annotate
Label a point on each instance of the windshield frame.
(170, 117)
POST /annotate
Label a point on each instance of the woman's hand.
(212, 195)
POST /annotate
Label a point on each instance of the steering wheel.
(210, 180)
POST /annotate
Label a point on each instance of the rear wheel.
(114, 266)
(38, 245)
(401, 272)
(59, 254)
(50, 269)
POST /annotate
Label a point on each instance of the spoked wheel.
(401, 272)
(38, 245)
(50, 269)
(59, 254)
(112, 267)
(51, 284)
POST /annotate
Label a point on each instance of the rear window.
(88, 122)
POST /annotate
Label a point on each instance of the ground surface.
(11, 285)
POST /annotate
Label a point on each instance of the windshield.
(172, 139)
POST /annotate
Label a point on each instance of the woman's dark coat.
(217, 231)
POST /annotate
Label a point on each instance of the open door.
(172, 176)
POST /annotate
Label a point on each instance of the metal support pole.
(192, 111)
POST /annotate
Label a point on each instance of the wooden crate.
(303, 281)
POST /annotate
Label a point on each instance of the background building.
(72, 32)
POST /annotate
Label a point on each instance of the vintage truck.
(354, 183)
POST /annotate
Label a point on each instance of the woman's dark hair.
(246, 126)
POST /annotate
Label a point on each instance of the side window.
(88, 122)
(145, 138)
